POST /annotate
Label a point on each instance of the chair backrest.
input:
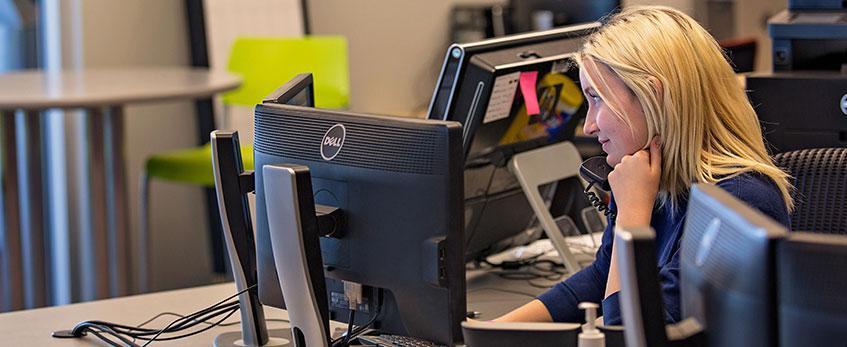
(265, 63)
(820, 176)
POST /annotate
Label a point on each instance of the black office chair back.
(820, 177)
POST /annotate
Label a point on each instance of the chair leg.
(144, 233)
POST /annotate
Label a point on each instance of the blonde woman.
(669, 112)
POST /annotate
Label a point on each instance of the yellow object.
(569, 100)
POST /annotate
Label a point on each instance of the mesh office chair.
(264, 64)
(821, 180)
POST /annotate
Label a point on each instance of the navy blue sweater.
(589, 284)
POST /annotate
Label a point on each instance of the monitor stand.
(276, 338)
(295, 241)
(542, 166)
(232, 186)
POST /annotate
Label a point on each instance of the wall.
(751, 21)
(396, 50)
(131, 33)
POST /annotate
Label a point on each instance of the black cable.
(222, 311)
(96, 330)
(191, 333)
(135, 331)
(174, 329)
(186, 323)
(108, 340)
(362, 328)
(346, 341)
(485, 197)
(595, 201)
(220, 325)
(193, 315)
(104, 330)
(377, 311)
(183, 323)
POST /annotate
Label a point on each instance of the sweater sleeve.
(589, 284)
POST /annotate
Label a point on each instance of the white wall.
(396, 49)
(751, 21)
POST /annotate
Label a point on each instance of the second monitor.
(485, 86)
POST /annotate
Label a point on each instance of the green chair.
(264, 64)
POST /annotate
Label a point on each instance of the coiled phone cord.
(595, 201)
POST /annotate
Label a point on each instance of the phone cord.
(598, 203)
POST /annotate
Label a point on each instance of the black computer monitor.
(528, 15)
(727, 283)
(456, 89)
(398, 183)
(812, 282)
(781, 98)
(479, 87)
(728, 275)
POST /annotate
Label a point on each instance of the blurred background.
(395, 53)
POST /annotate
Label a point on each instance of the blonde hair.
(689, 94)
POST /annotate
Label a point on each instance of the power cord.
(207, 323)
(485, 197)
(116, 334)
(344, 341)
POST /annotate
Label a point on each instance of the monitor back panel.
(398, 182)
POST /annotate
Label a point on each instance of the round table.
(102, 93)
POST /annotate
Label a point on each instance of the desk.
(102, 94)
(487, 293)
(33, 327)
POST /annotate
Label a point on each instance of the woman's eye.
(594, 98)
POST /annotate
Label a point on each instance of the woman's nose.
(590, 126)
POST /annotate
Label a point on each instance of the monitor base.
(276, 338)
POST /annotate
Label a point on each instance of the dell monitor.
(812, 282)
(728, 275)
(398, 183)
(479, 86)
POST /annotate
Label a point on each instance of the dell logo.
(332, 141)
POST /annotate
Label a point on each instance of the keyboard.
(395, 341)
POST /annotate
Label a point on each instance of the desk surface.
(33, 327)
(488, 294)
(36, 89)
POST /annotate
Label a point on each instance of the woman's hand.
(635, 183)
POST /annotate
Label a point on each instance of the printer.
(810, 35)
(803, 102)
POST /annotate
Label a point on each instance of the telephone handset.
(596, 171)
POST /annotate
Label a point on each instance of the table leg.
(93, 244)
(31, 189)
(113, 127)
(11, 278)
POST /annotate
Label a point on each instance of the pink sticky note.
(528, 79)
